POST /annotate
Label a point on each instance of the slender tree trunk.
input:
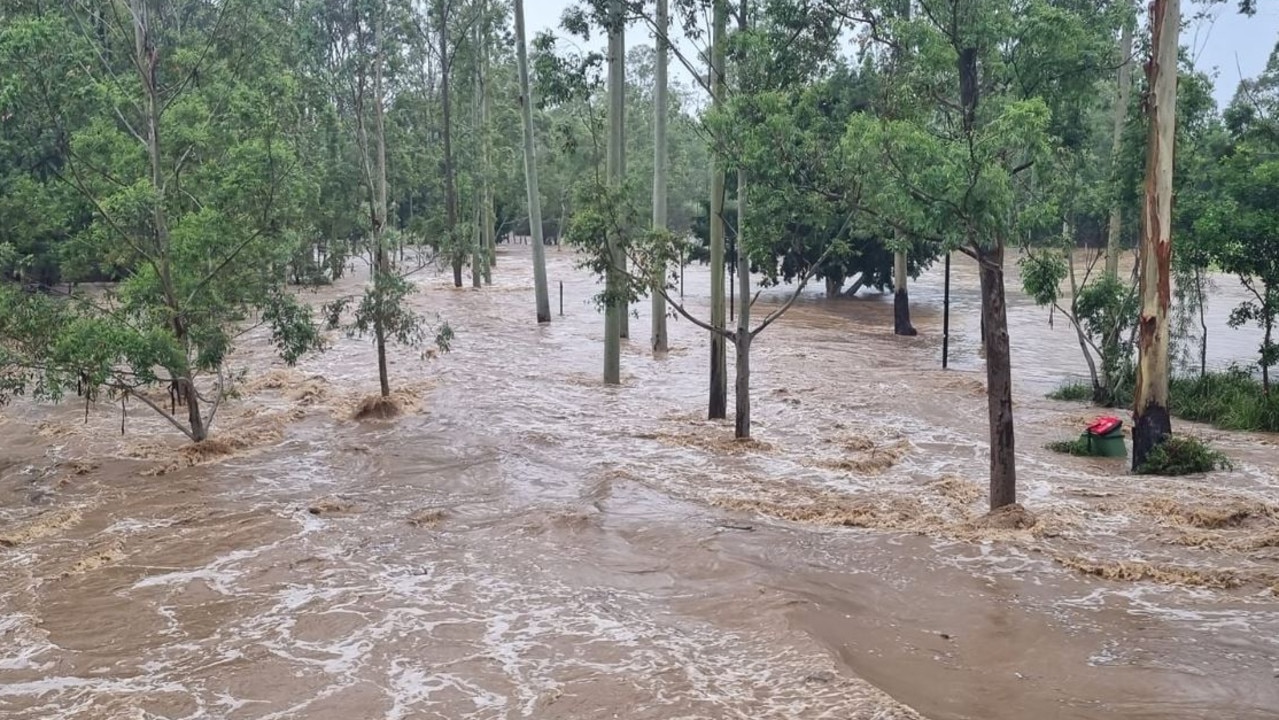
(450, 179)
(489, 237)
(618, 116)
(901, 298)
(543, 297)
(478, 264)
(380, 207)
(1203, 323)
(718, 406)
(999, 385)
(742, 388)
(615, 307)
(1113, 230)
(1151, 422)
(659, 339)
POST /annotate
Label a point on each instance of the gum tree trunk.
(1113, 250)
(658, 338)
(615, 309)
(489, 237)
(530, 175)
(379, 207)
(1151, 422)
(450, 179)
(718, 406)
(901, 298)
(999, 384)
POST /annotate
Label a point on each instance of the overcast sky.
(1224, 41)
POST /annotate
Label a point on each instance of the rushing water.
(526, 542)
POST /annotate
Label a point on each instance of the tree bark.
(450, 179)
(543, 297)
(718, 405)
(742, 387)
(659, 338)
(1113, 249)
(999, 385)
(489, 237)
(901, 298)
(615, 307)
(379, 208)
(1151, 421)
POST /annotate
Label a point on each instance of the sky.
(1224, 42)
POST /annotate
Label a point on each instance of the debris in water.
(42, 525)
(1137, 570)
(427, 516)
(330, 505)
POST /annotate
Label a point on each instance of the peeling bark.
(1151, 421)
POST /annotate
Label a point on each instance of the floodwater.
(526, 542)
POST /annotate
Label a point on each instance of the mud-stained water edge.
(523, 541)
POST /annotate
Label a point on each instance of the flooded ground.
(525, 542)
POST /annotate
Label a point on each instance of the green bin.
(1108, 445)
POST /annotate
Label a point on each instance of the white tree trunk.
(530, 173)
(1151, 422)
(1115, 226)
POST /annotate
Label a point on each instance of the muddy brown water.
(525, 542)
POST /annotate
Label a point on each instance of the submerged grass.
(1231, 400)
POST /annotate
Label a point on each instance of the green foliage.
(384, 307)
(1183, 455)
(1078, 446)
(1073, 392)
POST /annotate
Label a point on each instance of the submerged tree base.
(378, 407)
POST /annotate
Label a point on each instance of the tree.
(718, 399)
(530, 174)
(1237, 224)
(974, 125)
(190, 193)
(1151, 421)
(615, 299)
(1120, 115)
(661, 152)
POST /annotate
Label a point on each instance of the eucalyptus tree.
(661, 155)
(191, 196)
(530, 173)
(1152, 423)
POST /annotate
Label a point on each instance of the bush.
(1181, 455)
(1078, 446)
(1073, 392)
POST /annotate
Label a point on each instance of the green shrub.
(1078, 446)
(1182, 455)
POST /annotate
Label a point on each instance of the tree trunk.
(615, 307)
(718, 406)
(742, 388)
(901, 299)
(999, 384)
(543, 297)
(489, 238)
(833, 286)
(379, 206)
(1113, 249)
(450, 179)
(199, 431)
(1151, 422)
(618, 116)
(659, 339)
(478, 264)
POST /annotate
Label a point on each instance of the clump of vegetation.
(1182, 455)
(1073, 391)
(1078, 446)
(1230, 400)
